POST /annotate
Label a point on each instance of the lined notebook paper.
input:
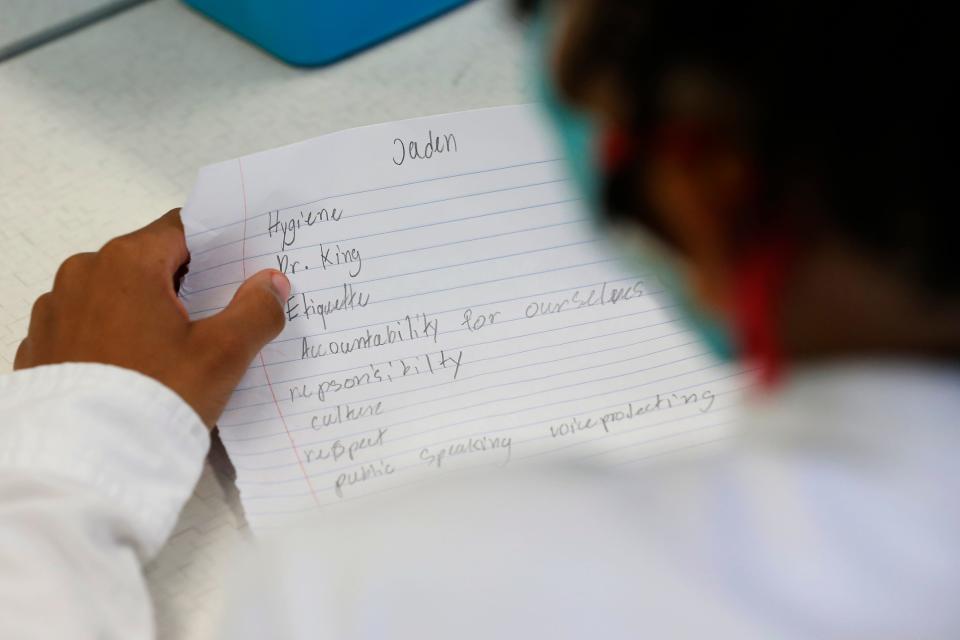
(452, 307)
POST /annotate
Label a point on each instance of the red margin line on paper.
(243, 272)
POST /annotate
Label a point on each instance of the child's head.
(731, 127)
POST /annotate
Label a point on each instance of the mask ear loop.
(760, 277)
(760, 280)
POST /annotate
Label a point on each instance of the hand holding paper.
(118, 306)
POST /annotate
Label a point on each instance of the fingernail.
(281, 286)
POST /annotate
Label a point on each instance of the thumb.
(253, 317)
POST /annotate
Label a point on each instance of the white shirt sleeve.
(95, 464)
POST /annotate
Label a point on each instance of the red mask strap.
(760, 281)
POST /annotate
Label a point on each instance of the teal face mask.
(579, 135)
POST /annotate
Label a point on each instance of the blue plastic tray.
(310, 33)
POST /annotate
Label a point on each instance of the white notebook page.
(452, 307)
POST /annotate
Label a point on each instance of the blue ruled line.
(371, 190)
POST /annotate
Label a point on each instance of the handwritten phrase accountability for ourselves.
(452, 308)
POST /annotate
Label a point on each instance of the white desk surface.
(22, 18)
(104, 130)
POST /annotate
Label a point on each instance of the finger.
(161, 243)
(253, 318)
(73, 270)
(22, 358)
(40, 313)
(167, 235)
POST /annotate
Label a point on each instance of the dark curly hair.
(856, 99)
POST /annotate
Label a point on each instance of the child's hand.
(118, 306)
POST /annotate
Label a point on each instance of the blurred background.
(107, 110)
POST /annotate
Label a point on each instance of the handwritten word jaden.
(409, 149)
